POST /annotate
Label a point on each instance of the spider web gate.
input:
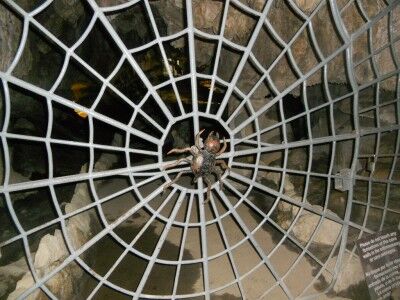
(305, 183)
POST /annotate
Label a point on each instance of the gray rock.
(208, 13)
(52, 249)
(24, 125)
(326, 235)
(69, 10)
(10, 273)
(350, 274)
(10, 31)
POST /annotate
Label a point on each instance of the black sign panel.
(380, 258)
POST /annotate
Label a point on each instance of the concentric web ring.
(310, 111)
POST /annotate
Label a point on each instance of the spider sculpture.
(204, 161)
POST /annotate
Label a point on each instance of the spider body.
(204, 162)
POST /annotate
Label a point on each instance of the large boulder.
(326, 235)
(351, 273)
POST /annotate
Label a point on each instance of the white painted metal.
(194, 196)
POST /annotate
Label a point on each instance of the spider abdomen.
(203, 163)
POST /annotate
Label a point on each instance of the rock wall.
(10, 31)
(238, 28)
(52, 250)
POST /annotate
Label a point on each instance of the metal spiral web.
(224, 242)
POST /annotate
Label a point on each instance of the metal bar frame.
(241, 144)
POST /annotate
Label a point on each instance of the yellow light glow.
(206, 83)
(77, 89)
(78, 93)
(80, 113)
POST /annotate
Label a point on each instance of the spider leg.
(179, 150)
(218, 173)
(175, 179)
(222, 164)
(197, 140)
(196, 177)
(222, 149)
(208, 182)
(177, 163)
